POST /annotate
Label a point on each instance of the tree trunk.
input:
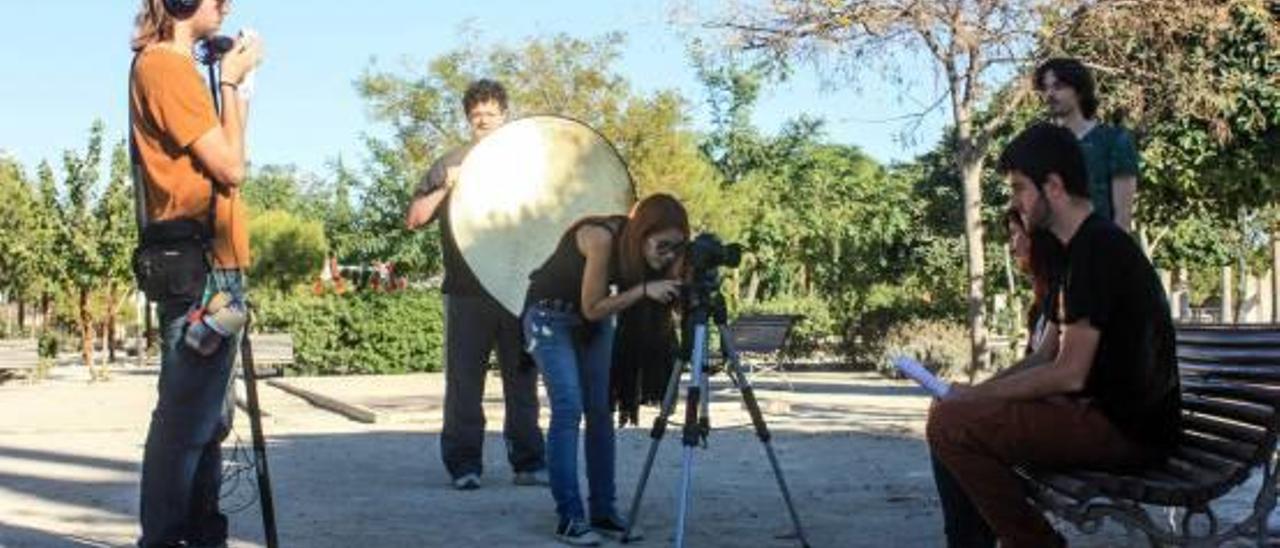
(1225, 315)
(44, 309)
(1275, 276)
(86, 329)
(110, 322)
(1015, 305)
(22, 314)
(971, 174)
(753, 287)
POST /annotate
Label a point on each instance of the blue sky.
(64, 64)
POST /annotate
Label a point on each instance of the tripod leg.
(259, 441)
(693, 434)
(656, 434)
(762, 429)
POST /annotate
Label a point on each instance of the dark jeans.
(575, 360)
(473, 326)
(981, 441)
(182, 462)
(961, 521)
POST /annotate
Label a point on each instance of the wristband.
(233, 85)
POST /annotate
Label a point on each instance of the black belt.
(557, 305)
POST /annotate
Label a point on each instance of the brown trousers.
(981, 441)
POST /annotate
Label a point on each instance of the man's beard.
(1059, 109)
(1041, 214)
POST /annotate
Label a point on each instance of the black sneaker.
(615, 527)
(575, 533)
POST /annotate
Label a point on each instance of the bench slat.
(1219, 427)
(1256, 415)
(1254, 373)
(1246, 393)
(1267, 357)
(1230, 336)
(1233, 450)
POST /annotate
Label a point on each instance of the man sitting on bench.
(1108, 399)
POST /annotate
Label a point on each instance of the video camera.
(706, 254)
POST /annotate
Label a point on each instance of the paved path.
(850, 445)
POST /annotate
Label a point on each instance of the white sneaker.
(466, 482)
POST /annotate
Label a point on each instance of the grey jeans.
(474, 325)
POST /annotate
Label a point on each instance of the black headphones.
(181, 9)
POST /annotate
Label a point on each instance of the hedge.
(357, 333)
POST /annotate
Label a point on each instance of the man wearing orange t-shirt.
(189, 158)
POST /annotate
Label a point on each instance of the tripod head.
(706, 254)
(701, 298)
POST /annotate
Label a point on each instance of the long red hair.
(655, 213)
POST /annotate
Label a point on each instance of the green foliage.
(25, 246)
(287, 250)
(825, 226)
(358, 333)
(47, 345)
(941, 345)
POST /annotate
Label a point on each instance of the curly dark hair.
(481, 91)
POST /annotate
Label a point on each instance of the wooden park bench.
(18, 357)
(272, 353)
(764, 337)
(1231, 395)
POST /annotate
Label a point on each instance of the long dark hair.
(1038, 265)
(646, 345)
(1075, 75)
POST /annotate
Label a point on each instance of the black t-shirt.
(560, 277)
(1109, 282)
(458, 278)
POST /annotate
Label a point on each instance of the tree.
(51, 263)
(21, 243)
(79, 234)
(558, 74)
(973, 46)
(117, 237)
(288, 250)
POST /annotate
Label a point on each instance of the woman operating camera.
(569, 323)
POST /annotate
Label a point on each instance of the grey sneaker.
(466, 482)
(536, 477)
(576, 533)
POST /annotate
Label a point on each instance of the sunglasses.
(666, 247)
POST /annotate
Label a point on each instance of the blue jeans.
(182, 462)
(574, 358)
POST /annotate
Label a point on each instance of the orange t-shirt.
(169, 109)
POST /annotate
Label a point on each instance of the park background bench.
(761, 341)
(272, 353)
(18, 357)
(1231, 396)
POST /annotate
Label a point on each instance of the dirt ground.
(850, 445)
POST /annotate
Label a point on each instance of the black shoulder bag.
(172, 258)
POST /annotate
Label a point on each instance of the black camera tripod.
(705, 303)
